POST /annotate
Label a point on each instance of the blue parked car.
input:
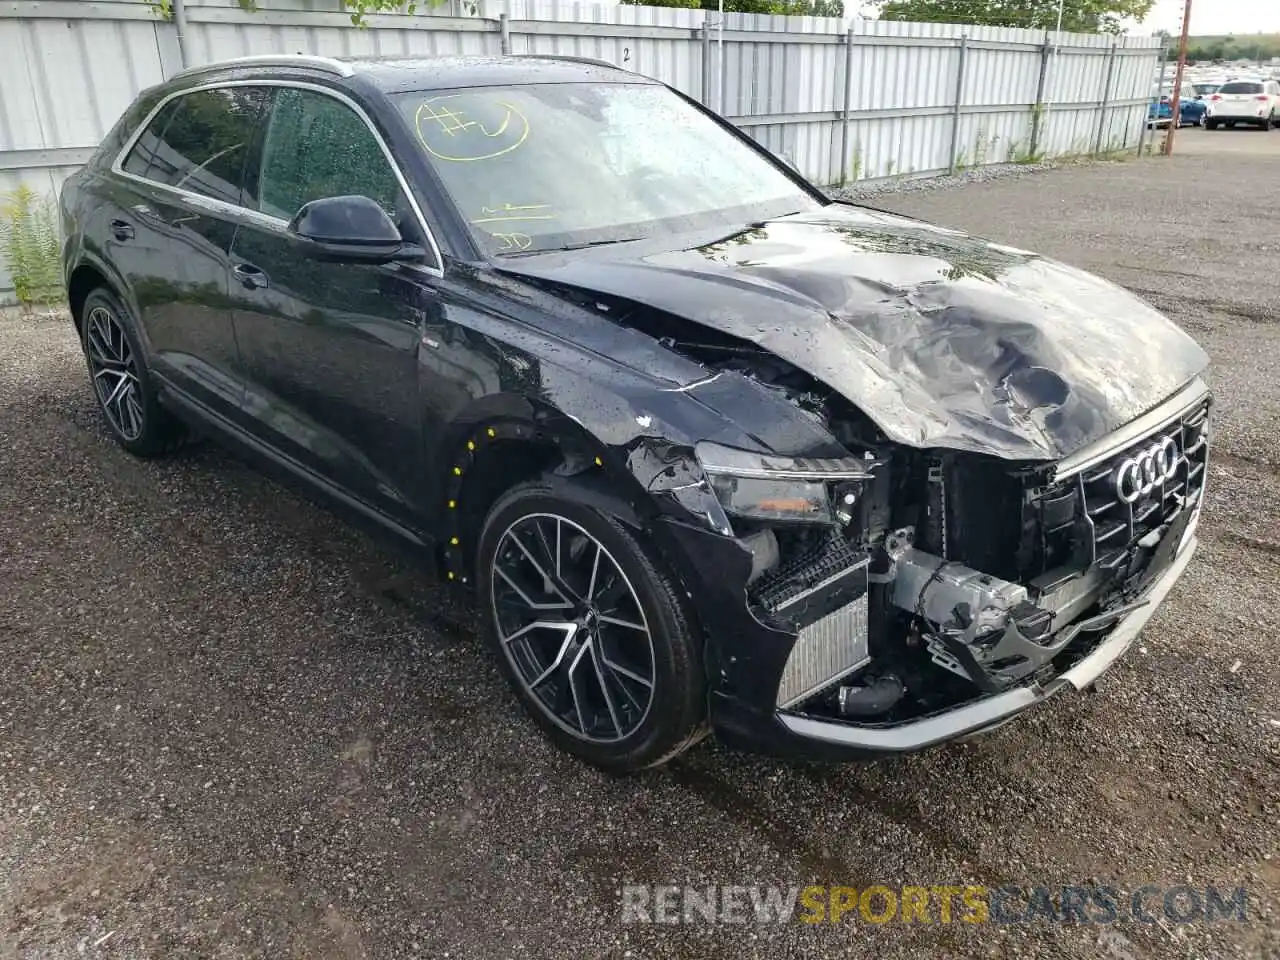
(1191, 109)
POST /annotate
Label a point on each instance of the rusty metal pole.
(1176, 105)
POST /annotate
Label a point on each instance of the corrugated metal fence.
(878, 99)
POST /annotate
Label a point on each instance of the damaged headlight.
(765, 487)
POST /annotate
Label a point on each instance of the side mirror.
(351, 229)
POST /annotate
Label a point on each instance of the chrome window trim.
(266, 219)
(1190, 396)
(327, 64)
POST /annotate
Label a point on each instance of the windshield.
(1240, 87)
(1206, 88)
(554, 166)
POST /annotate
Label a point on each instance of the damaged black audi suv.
(714, 451)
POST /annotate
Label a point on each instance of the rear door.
(172, 231)
(331, 349)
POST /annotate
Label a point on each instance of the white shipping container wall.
(69, 69)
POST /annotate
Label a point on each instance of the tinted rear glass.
(1241, 87)
(204, 142)
(139, 159)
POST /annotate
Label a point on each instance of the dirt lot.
(231, 726)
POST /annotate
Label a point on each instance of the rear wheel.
(589, 630)
(1211, 124)
(121, 381)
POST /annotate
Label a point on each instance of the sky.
(1216, 16)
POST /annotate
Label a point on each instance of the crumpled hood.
(942, 339)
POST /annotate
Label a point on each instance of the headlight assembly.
(765, 487)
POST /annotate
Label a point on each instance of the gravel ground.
(231, 726)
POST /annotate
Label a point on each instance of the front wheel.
(1211, 124)
(589, 630)
(121, 381)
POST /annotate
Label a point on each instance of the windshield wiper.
(575, 246)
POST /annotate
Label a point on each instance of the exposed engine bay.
(941, 576)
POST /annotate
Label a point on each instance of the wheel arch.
(504, 440)
(89, 274)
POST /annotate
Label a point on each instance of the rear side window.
(316, 146)
(139, 159)
(199, 142)
(1240, 87)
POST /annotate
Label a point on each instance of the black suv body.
(823, 479)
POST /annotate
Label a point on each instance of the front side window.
(316, 146)
(200, 141)
(558, 165)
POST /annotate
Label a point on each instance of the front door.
(330, 350)
(179, 199)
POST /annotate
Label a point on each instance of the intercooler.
(824, 595)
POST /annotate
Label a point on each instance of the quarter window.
(200, 141)
(148, 143)
(315, 147)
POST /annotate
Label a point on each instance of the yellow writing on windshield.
(509, 242)
(511, 211)
(463, 127)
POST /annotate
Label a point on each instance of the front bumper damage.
(796, 734)
(744, 673)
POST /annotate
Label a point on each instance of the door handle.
(122, 229)
(250, 276)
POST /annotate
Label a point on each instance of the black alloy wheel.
(121, 381)
(589, 631)
(115, 374)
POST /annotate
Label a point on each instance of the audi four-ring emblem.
(1138, 475)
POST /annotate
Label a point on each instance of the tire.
(121, 381)
(1211, 124)
(581, 667)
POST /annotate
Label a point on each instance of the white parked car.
(1244, 101)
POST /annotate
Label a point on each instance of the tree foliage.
(1078, 16)
(1257, 46)
(806, 8)
(358, 9)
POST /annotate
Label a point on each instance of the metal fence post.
(1037, 112)
(1106, 98)
(706, 61)
(847, 107)
(504, 34)
(1146, 107)
(955, 118)
(180, 27)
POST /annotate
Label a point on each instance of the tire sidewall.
(677, 656)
